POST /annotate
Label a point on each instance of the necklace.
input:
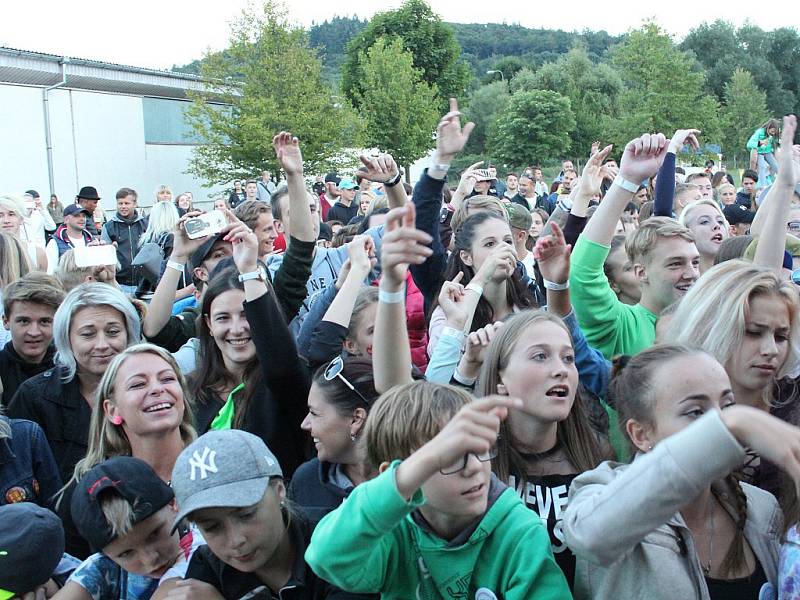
(710, 528)
(537, 456)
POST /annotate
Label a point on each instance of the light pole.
(493, 71)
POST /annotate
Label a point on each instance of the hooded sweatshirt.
(375, 542)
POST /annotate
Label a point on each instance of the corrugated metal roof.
(25, 67)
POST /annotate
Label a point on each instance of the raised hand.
(593, 175)
(789, 156)
(475, 351)
(403, 244)
(552, 255)
(643, 157)
(468, 179)
(287, 149)
(381, 168)
(182, 246)
(450, 137)
(361, 254)
(498, 266)
(683, 137)
(451, 300)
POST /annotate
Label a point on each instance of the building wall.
(98, 139)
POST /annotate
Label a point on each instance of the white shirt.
(52, 251)
(34, 225)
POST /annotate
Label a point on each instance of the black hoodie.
(313, 489)
(14, 370)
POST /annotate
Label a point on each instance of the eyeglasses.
(461, 463)
(793, 226)
(334, 370)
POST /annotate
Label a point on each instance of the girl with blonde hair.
(709, 226)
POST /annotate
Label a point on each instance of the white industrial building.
(69, 122)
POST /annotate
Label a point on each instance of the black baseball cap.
(736, 213)
(32, 193)
(332, 178)
(204, 250)
(131, 479)
(31, 546)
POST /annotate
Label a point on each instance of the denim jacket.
(28, 471)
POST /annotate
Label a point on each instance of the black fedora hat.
(89, 193)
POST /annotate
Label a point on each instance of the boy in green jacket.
(436, 524)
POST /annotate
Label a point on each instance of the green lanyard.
(224, 418)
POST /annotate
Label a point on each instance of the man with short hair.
(124, 230)
(685, 194)
(568, 177)
(747, 195)
(663, 254)
(29, 305)
(251, 190)
(71, 234)
(566, 165)
(331, 194)
(703, 182)
(520, 219)
(38, 220)
(258, 217)
(526, 195)
(512, 185)
(265, 187)
(345, 209)
(88, 198)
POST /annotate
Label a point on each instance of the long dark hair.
(211, 373)
(517, 293)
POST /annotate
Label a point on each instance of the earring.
(352, 438)
(650, 447)
(116, 420)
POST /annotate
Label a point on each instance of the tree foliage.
(744, 111)
(484, 105)
(399, 108)
(430, 41)
(266, 81)
(663, 91)
(533, 126)
(593, 91)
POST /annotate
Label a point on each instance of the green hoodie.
(371, 544)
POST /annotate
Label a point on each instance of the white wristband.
(171, 264)
(552, 285)
(626, 185)
(475, 287)
(391, 297)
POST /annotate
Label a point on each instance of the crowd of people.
(361, 389)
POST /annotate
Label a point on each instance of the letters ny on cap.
(204, 463)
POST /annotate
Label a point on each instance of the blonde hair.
(640, 242)
(14, 262)
(407, 417)
(68, 273)
(578, 439)
(118, 512)
(713, 314)
(372, 198)
(484, 203)
(163, 188)
(14, 202)
(684, 217)
(106, 439)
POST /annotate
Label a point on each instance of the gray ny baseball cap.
(227, 468)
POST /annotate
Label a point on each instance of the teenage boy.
(664, 257)
(747, 195)
(29, 305)
(124, 230)
(126, 511)
(346, 208)
(436, 523)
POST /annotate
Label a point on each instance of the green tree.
(536, 125)
(399, 108)
(593, 91)
(663, 91)
(431, 42)
(268, 80)
(744, 110)
(484, 105)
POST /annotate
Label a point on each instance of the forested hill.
(484, 46)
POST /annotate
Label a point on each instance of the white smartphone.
(206, 224)
(95, 256)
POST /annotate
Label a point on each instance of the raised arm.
(641, 159)
(403, 244)
(774, 211)
(287, 149)
(361, 250)
(160, 309)
(383, 169)
(665, 184)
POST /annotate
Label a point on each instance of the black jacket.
(312, 490)
(126, 233)
(280, 404)
(14, 370)
(303, 583)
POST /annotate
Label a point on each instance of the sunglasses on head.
(334, 371)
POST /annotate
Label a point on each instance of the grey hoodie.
(624, 526)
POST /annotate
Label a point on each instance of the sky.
(161, 33)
